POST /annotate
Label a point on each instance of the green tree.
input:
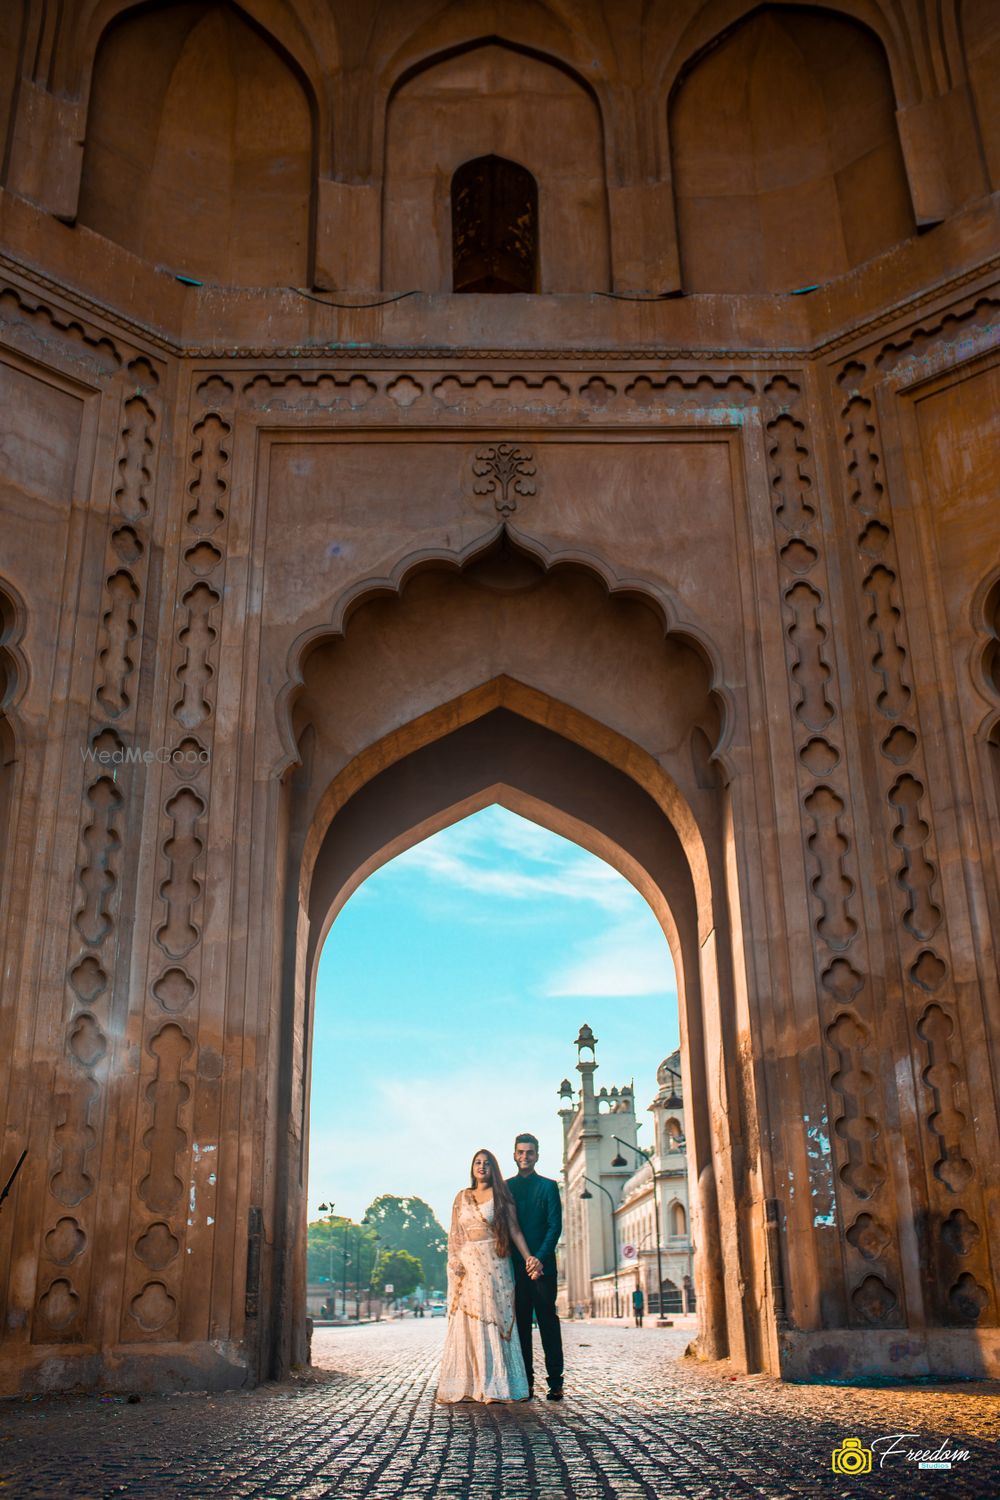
(409, 1224)
(326, 1242)
(400, 1270)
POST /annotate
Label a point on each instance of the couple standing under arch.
(502, 1276)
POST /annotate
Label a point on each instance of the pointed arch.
(492, 97)
(793, 167)
(201, 146)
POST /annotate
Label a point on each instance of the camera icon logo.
(852, 1458)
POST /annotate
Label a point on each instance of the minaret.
(586, 1048)
(567, 1114)
(566, 1110)
(590, 1141)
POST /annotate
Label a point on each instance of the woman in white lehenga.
(482, 1358)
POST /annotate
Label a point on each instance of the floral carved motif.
(505, 472)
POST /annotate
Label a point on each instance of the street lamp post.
(327, 1208)
(371, 1272)
(357, 1275)
(343, 1287)
(619, 1161)
(614, 1232)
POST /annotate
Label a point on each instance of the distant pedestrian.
(638, 1306)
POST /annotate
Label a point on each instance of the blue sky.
(451, 989)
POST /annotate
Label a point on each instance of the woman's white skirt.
(482, 1354)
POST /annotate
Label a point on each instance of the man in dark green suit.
(539, 1213)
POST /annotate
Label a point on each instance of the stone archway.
(660, 817)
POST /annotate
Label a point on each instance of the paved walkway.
(637, 1423)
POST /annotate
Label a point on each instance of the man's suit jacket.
(539, 1212)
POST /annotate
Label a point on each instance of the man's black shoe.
(555, 1395)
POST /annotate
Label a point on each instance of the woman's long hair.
(503, 1203)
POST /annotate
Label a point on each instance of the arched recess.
(493, 99)
(200, 150)
(11, 63)
(980, 22)
(786, 160)
(405, 724)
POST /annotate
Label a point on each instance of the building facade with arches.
(647, 489)
(661, 1266)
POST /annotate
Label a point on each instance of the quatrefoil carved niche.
(989, 661)
(65, 1241)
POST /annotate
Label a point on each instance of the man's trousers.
(538, 1299)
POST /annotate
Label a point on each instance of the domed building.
(626, 1215)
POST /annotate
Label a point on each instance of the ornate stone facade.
(304, 556)
(626, 1220)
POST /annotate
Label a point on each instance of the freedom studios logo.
(852, 1457)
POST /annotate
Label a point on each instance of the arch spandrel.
(676, 618)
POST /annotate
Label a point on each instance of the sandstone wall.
(739, 547)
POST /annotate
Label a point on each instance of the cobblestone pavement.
(637, 1422)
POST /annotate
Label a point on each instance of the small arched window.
(494, 227)
(671, 1300)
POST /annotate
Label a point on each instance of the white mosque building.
(626, 1216)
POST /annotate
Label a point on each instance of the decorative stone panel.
(848, 1161)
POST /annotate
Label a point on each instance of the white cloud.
(465, 857)
(418, 1135)
(511, 831)
(628, 958)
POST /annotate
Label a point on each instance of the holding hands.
(533, 1266)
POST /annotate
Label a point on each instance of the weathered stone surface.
(638, 1421)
